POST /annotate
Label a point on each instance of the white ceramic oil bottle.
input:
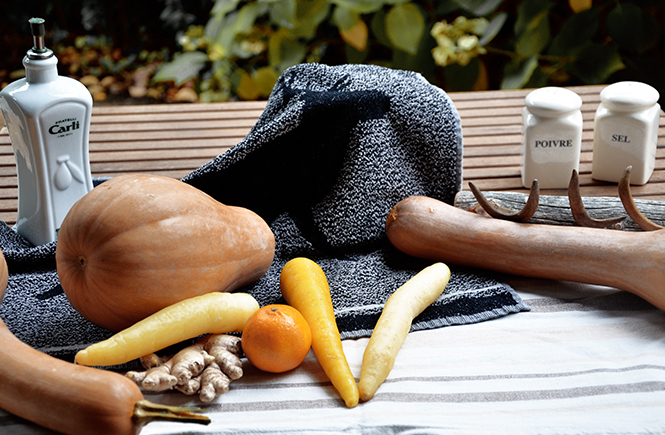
(48, 118)
(626, 132)
(551, 137)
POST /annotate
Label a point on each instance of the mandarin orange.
(276, 338)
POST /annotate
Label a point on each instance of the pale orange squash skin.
(632, 261)
(62, 396)
(138, 243)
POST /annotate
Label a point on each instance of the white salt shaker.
(551, 137)
(626, 132)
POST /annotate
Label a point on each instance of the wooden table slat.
(212, 143)
(190, 126)
(236, 106)
(174, 139)
(161, 119)
(158, 135)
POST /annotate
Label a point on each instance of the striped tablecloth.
(584, 360)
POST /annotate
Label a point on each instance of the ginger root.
(157, 378)
(214, 382)
(207, 367)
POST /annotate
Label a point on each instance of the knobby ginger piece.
(207, 368)
(227, 350)
(214, 382)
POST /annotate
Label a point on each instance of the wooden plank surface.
(175, 139)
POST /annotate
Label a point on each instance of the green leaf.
(255, 85)
(355, 56)
(221, 68)
(378, 26)
(225, 32)
(516, 74)
(218, 14)
(309, 15)
(352, 28)
(356, 36)
(284, 50)
(405, 26)
(531, 14)
(493, 28)
(538, 79)
(462, 78)
(532, 27)
(283, 13)
(479, 8)
(223, 7)
(422, 61)
(246, 17)
(632, 28)
(446, 7)
(247, 88)
(344, 18)
(575, 32)
(265, 79)
(183, 67)
(595, 63)
(534, 40)
(361, 6)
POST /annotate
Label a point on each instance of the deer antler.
(580, 214)
(499, 212)
(629, 204)
(577, 208)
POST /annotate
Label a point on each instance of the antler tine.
(630, 206)
(580, 214)
(499, 212)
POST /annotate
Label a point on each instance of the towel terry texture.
(335, 149)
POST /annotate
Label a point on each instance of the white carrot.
(212, 313)
(395, 322)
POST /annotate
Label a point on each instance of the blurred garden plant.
(247, 44)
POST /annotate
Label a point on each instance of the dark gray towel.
(335, 149)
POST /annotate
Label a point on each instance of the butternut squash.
(72, 399)
(630, 261)
(139, 243)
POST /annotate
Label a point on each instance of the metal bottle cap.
(39, 50)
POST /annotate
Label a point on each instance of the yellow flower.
(467, 42)
(458, 42)
(216, 52)
(440, 56)
(253, 46)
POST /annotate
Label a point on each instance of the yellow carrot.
(212, 313)
(305, 287)
(395, 322)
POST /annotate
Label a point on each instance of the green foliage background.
(236, 49)
(246, 44)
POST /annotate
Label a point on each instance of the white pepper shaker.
(626, 132)
(551, 137)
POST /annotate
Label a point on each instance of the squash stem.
(146, 411)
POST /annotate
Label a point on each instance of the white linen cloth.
(584, 360)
